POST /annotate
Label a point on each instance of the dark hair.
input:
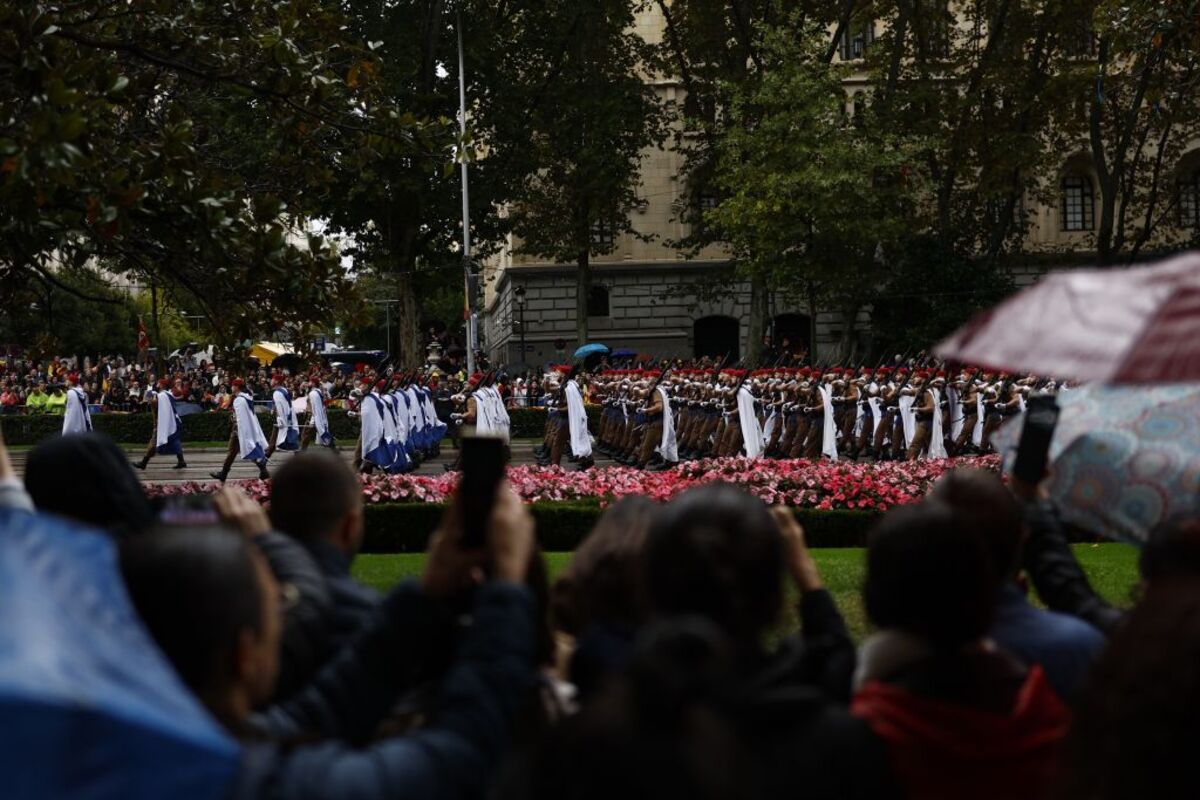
(929, 577)
(1172, 550)
(87, 478)
(715, 551)
(311, 493)
(602, 582)
(661, 730)
(981, 502)
(1138, 720)
(196, 589)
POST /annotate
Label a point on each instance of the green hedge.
(405, 527)
(527, 423)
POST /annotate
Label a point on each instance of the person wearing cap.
(572, 430)
(968, 402)
(658, 438)
(285, 434)
(904, 423)
(246, 439)
(165, 430)
(927, 440)
(76, 416)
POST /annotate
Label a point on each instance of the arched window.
(1078, 203)
(598, 302)
(716, 337)
(1189, 198)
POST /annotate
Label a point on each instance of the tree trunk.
(812, 324)
(583, 288)
(758, 320)
(408, 322)
(848, 344)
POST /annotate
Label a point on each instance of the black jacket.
(453, 756)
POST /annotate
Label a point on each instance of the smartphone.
(483, 461)
(1041, 417)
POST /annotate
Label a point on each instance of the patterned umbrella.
(1137, 325)
(1124, 458)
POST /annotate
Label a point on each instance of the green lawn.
(1111, 567)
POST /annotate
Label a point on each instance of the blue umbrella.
(91, 708)
(591, 349)
(624, 352)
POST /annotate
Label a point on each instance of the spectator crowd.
(688, 650)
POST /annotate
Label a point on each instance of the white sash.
(829, 434)
(581, 441)
(668, 448)
(752, 438)
(937, 444)
(908, 417)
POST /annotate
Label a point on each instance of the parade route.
(202, 461)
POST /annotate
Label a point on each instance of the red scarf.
(943, 750)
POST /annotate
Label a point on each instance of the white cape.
(317, 417)
(581, 440)
(168, 422)
(251, 441)
(752, 438)
(371, 412)
(76, 416)
(500, 414)
(668, 448)
(416, 414)
(485, 424)
(829, 434)
(403, 418)
(937, 441)
(285, 417)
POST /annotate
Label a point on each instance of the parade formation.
(653, 418)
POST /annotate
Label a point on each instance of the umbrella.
(624, 352)
(591, 349)
(1137, 325)
(1123, 458)
(91, 708)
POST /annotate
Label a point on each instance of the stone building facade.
(651, 298)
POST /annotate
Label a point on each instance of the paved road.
(203, 461)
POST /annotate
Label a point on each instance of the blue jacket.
(1065, 646)
(454, 756)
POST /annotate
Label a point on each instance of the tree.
(582, 76)
(811, 199)
(1140, 106)
(186, 142)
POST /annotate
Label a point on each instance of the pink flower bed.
(799, 483)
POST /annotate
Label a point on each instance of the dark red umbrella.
(1136, 325)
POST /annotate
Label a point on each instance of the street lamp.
(519, 296)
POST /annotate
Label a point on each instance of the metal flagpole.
(468, 310)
